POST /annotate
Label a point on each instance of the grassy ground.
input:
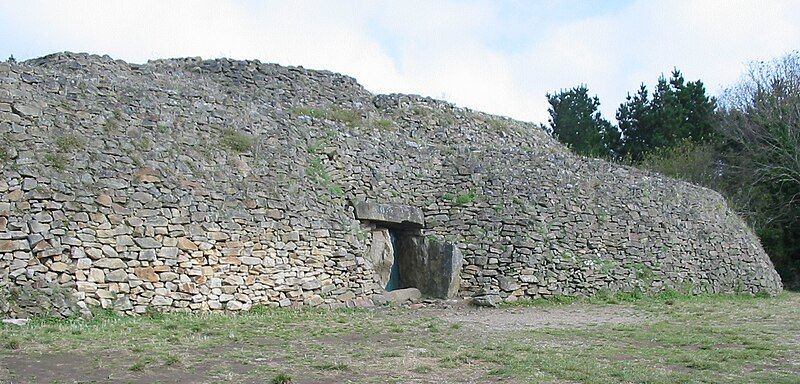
(654, 340)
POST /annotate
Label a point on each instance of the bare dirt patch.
(566, 316)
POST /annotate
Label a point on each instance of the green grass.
(460, 199)
(63, 145)
(385, 124)
(281, 378)
(68, 143)
(56, 160)
(236, 141)
(348, 117)
(671, 338)
(329, 366)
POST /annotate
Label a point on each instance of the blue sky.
(497, 56)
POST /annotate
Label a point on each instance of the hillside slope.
(188, 184)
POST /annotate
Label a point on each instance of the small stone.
(117, 275)
(487, 300)
(104, 200)
(26, 110)
(147, 242)
(29, 184)
(109, 251)
(246, 260)
(59, 267)
(161, 301)
(168, 276)
(400, 296)
(311, 285)
(19, 322)
(186, 244)
(147, 255)
(146, 274)
(109, 263)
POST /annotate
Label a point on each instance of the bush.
(690, 161)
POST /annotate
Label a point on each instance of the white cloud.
(432, 48)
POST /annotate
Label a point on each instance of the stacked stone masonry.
(186, 184)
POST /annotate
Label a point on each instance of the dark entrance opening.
(403, 258)
(394, 272)
(431, 266)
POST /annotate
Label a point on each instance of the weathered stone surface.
(403, 215)
(186, 244)
(381, 255)
(59, 267)
(108, 263)
(400, 296)
(250, 260)
(147, 274)
(430, 265)
(117, 275)
(26, 110)
(147, 243)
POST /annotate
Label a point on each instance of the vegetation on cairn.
(746, 145)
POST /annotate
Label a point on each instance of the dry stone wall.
(186, 184)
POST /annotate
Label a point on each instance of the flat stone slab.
(19, 322)
(404, 215)
(400, 296)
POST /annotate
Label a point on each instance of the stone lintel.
(400, 215)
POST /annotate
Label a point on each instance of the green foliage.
(11, 344)
(349, 117)
(68, 143)
(676, 112)
(236, 141)
(464, 198)
(691, 161)
(63, 146)
(56, 160)
(384, 124)
(281, 378)
(575, 120)
(460, 199)
(498, 124)
(5, 143)
(138, 366)
(317, 172)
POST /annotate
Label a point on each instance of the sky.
(500, 57)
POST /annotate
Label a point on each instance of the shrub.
(690, 161)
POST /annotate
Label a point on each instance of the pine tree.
(678, 111)
(576, 121)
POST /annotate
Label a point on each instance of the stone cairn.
(198, 185)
